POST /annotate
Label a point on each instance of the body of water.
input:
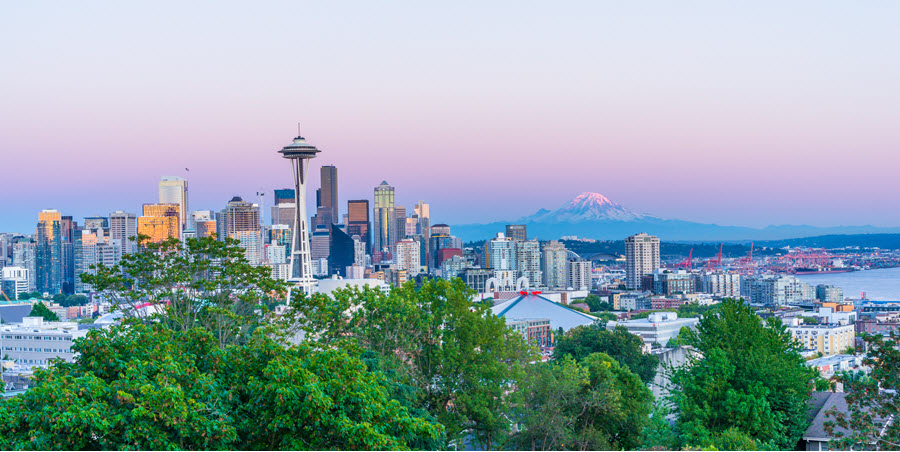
(881, 285)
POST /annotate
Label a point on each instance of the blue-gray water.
(882, 284)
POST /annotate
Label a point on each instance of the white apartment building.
(659, 328)
(528, 261)
(578, 275)
(501, 253)
(776, 290)
(641, 258)
(35, 342)
(554, 264)
(15, 280)
(721, 284)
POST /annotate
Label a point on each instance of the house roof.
(534, 306)
(820, 403)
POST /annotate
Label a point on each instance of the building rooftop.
(534, 306)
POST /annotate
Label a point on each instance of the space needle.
(299, 152)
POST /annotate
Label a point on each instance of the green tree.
(74, 300)
(595, 303)
(624, 347)
(596, 404)
(24, 296)
(41, 310)
(749, 377)
(59, 298)
(202, 283)
(151, 387)
(873, 403)
(460, 359)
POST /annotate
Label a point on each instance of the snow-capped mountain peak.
(587, 206)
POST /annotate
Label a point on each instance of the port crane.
(687, 263)
(716, 263)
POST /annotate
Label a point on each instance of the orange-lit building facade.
(160, 222)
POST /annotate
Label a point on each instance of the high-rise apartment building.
(641, 258)
(240, 220)
(15, 280)
(160, 222)
(516, 232)
(528, 261)
(407, 256)
(358, 222)
(384, 218)
(67, 227)
(578, 275)
(174, 190)
(501, 253)
(23, 255)
(123, 228)
(328, 194)
(320, 242)
(554, 264)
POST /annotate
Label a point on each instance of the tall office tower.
(440, 229)
(4, 250)
(341, 251)
(329, 192)
(358, 222)
(284, 196)
(160, 222)
(554, 264)
(123, 227)
(578, 275)
(284, 213)
(96, 223)
(411, 226)
(49, 252)
(399, 224)
(502, 253)
(174, 190)
(528, 261)
(67, 228)
(24, 256)
(641, 258)
(240, 221)
(423, 211)
(407, 256)
(319, 242)
(516, 232)
(384, 218)
(299, 152)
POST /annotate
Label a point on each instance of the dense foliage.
(748, 383)
(155, 388)
(873, 401)
(459, 360)
(39, 309)
(619, 344)
(595, 404)
(202, 283)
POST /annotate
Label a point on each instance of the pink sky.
(752, 115)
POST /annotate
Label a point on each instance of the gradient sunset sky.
(744, 113)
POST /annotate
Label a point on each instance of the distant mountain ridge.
(593, 215)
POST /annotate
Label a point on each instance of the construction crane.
(745, 265)
(715, 264)
(4, 296)
(687, 262)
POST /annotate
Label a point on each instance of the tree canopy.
(619, 344)
(39, 309)
(749, 383)
(150, 387)
(873, 402)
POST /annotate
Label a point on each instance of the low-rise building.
(658, 328)
(35, 342)
(829, 339)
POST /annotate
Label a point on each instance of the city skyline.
(795, 109)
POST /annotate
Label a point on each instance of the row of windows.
(38, 338)
(37, 349)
